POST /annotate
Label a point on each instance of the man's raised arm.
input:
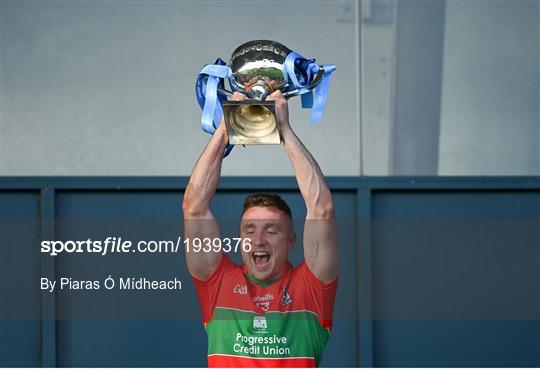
(199, 221)
(320, 234)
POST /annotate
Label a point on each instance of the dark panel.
(456, 278)
(119, 204)
(19, 278)
(125, 328)
(132, 343)
(457, 343)
(157, 328)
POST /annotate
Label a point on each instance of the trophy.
(257, 69)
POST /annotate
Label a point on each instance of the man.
(265, 313)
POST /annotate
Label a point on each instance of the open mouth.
(260, 258)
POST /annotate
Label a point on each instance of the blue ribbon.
(299, 72)
(321, 94)
(208, 97)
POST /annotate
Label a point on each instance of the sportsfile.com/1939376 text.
(118, 245)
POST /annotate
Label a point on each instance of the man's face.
(272, 237)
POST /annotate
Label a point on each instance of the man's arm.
(320, 235)
(199, 222)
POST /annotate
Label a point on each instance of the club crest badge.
(286, 298)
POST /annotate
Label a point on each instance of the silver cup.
(257, 71)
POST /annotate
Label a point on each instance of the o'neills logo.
(266, 297)
(240, 289)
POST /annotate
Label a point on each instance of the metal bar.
(365, 278)
(273, 183)
(48, 316)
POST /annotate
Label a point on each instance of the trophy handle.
(310, 86)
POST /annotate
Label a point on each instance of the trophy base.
(251, 122)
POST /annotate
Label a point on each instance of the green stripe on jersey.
(274, 335)
(260, 283)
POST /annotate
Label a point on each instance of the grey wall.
(489, 95)
(490, 100)
(106, 88)
(101, 88)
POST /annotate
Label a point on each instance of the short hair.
(267, 199)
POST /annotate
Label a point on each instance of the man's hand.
(282, 113)
(238, 96)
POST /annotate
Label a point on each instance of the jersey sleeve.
(322, 294)
(208, 290)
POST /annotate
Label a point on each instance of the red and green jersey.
(284, 323)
